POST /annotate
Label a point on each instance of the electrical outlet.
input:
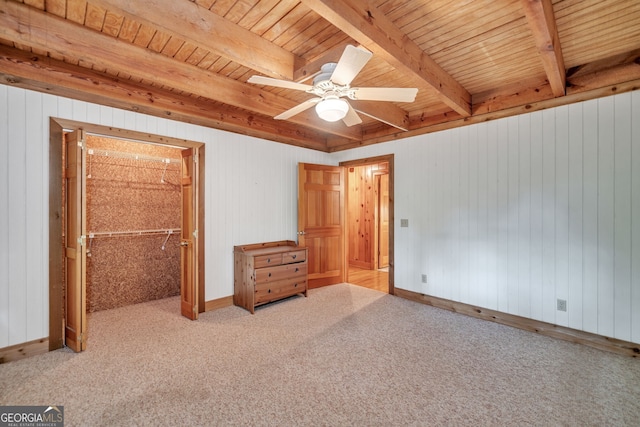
(424, 278)
(562, 305)
(404, 223)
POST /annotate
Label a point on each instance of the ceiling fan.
(332, 85)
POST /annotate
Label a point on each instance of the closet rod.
(133, 233)
(134, 156)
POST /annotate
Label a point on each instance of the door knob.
(184, 243)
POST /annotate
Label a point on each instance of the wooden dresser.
(266, 272)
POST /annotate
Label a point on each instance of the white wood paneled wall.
(250, 185)
(514, 214)
(509, 215)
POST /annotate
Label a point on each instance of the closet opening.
(133, 197)
(126, 225)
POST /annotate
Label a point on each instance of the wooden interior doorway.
(62, 319)
(376, 247)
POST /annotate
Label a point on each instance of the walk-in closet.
(133, 222)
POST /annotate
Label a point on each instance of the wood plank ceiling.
(189, 60)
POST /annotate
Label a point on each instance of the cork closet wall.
(133, 222)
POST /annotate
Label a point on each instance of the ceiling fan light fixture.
(332, 109)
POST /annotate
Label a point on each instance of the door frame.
(388, 158)
(57, 127)
(377, 179)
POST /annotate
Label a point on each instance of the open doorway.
(369, 223)
(179, 166)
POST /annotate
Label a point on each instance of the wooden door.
(321, 222)
(383, 220)
(188, 234)
(75, 253)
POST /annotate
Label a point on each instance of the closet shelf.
(134, 156)
(132, 233)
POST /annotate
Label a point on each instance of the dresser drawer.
(271, 291)
(280, 272)
(294, 256)
(261, 261)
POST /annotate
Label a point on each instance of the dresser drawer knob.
(297, 269)
(269, 291)
(268, 260)
(269, 274)
(294, 257)
(295, 285)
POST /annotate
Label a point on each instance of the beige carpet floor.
(344, 356)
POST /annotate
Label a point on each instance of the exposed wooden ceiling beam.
(542, 22)
(525, 92)
(204, 28)
(42, 74)
(371, 28)
(609, 76)
(618, 68)
(28, 26)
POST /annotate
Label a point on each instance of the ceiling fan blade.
(309, 77)
(380, 119)
(268, 81)
(387, 122)
(352, 118)
(298, 109)
(395, 94)
(353, 59)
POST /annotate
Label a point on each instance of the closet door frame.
(57, 128)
